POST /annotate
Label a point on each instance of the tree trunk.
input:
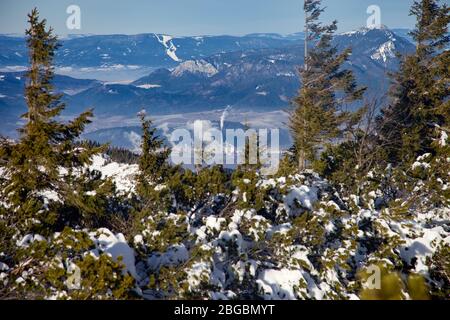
(301, 161)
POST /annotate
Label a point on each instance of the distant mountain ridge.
(263, 79)
(153, 50)
(259, 73)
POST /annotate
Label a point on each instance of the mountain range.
(152, 50)
(257, 73)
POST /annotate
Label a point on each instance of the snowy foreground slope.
(122, 174)
(238, 253)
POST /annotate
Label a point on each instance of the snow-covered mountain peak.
(381, 42)
(365, 30)
(385, 51)
(196, 67)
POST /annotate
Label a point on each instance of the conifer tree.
(325, 88)
(36, 164)
(420, 104)
(252, 152)
(153, 164)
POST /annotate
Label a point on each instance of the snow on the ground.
(28, 239)
(3, 267)
(424, 247)
(215, 224)
(420, 162)
(443, 139)
(174, 256)
(116, 246)
(279, 284)
(122, 174)
(286, 284)
(303, 197)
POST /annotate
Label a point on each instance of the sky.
(197, 17)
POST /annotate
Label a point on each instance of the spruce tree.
(40, 167)
(153, 165)
(420, 93)
(326, 87)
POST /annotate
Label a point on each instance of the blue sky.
(197, 17)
